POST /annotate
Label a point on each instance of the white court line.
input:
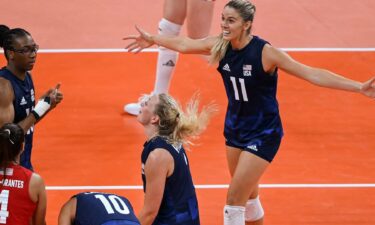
(155, 50)
(109, 50)
(214, 186)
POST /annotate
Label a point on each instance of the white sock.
(234, 215)
(167, 59)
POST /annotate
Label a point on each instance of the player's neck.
(16, 161)
(151, 132)
(20, 74)
(241, 42)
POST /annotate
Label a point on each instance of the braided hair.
(7, 37)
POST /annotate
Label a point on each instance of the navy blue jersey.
(96, 208)
(179, 204)
(23, 103)
(252, 110)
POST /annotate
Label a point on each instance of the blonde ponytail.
(179, 126)
(218, 50)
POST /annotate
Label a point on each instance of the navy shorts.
(265, 146)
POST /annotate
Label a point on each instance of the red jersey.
(16, 208)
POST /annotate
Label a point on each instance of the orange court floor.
(324, 171)
(88, 142)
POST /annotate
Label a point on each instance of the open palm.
(141, 41)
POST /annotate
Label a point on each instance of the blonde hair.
(247, 11)
(179, 126)
(218, 50)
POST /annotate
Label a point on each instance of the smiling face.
(237, 19)
(232, 24)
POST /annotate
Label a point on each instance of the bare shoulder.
(273, 57)
(6, 88)
(271, 51)
(6, 93)
(37, 182)
(70, 204)
(160, 161)
(67, 212)
(6, 101)
(36, 187)
(159, 154)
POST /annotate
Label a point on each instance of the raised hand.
(141, 41)
(368, 88)
(56, 96)
(47, 102)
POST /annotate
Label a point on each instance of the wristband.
(41, 107)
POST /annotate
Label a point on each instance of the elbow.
(151, 213)
(148, 216)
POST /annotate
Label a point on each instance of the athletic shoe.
(133, 108)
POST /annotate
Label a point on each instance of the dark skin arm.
(6, 104)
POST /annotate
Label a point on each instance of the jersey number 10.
(116, 202)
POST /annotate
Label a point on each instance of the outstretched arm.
(273, 57)
(176, 43)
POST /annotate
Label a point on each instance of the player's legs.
(199, 18)
(246, 170)
(174, 13)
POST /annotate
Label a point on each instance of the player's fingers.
(48, 92)
(372, 82)
(130, 37)
(139, 49)
(131, 45)
(139, 29)
(132, 49)
(58, 85)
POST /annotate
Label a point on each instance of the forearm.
(325, 78)
(146, 217)
(40, 110)
(28, 122)
(175, 43)
(181, 44)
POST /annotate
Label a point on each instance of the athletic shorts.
(264, 147)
